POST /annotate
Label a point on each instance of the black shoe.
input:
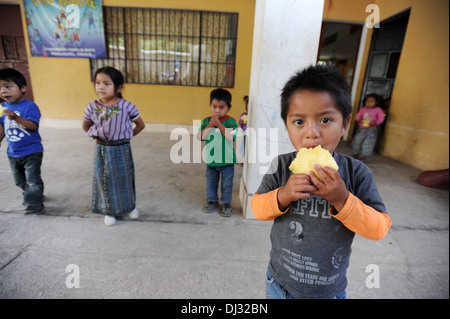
(34, 209)
(210, 207)
(226, 210)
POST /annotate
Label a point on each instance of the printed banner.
(65, 28)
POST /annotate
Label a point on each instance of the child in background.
(314, 221)
(219, 130)
(244, 116)
(19, 122)
(109, 120)
(368, 118)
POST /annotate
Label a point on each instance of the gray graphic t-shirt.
(310, 248)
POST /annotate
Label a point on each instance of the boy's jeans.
(213, 174)
(275, 291)
(26, 171)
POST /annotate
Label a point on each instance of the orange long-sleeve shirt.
(355, 215)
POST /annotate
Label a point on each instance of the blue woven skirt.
(364, 141)
(113, 187)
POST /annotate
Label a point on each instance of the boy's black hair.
(318, 78)
(115, 75)
(12, 75)
(220, 95)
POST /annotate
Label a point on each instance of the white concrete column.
(286, 39)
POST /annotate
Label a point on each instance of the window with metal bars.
(171, 47)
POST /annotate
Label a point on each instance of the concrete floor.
(176, 251)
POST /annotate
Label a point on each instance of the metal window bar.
(142, 40)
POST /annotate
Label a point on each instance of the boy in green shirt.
(219, 130)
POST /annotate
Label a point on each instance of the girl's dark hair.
(220, 95)
(12, 75)
(378, 98)
(318, 78)
(115, 75)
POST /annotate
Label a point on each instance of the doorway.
(13, 53)
(339, 46)
(384, 57)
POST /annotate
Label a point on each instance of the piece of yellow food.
(244, 118)
(366, 123)
(307, 157)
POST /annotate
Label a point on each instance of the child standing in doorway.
(19, 122)
(219, 130)
(368, 118)
(244, 116)
(243, 119)
(315, 220)
(109, 120)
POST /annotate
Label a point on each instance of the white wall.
(285, 40)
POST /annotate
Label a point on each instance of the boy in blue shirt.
(19, 122)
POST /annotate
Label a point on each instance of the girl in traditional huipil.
(109, 120)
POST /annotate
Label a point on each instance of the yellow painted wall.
(62, 86)
(417, 131)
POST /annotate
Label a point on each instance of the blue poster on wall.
(65, 28)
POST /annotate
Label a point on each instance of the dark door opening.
(13, 53)
(339, 44)
(384, 57)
